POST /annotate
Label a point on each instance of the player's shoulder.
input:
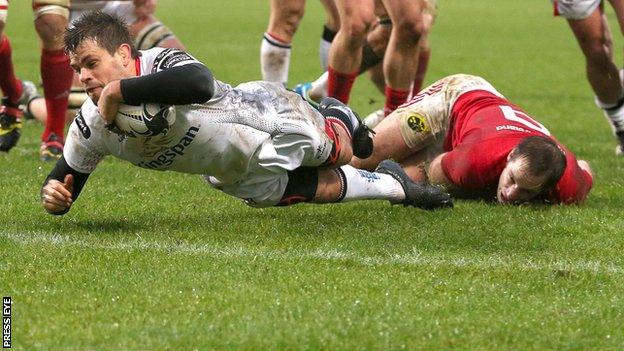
(156, 59)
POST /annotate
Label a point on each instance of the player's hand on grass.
(56, 196)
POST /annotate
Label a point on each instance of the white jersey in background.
(243, 140)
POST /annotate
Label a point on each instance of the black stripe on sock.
(274, 43)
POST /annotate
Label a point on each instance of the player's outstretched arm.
(61, 188)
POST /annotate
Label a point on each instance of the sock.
(339, 84)
(56, 75)
(421, 70)
(394, 98)
(326, 40)
(319, 87)
(274, 59)
(357, 184)
(10, 85)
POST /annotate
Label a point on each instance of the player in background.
(373, 53)
(401, 56)
(15, 92)
(589, 24)
(51, 19)
(277, 40)
(461, 133)
(145, 28)
(258, 141)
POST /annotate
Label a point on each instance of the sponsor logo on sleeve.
(170, 58)
(82, 125)
(418, 123)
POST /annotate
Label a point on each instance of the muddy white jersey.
(253, 130)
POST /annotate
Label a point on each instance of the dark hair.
(543, 157)
(108, 31)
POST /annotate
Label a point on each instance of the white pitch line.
(414, 258)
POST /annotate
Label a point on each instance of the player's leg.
(401, 57)
(372, 54)
(51, 18)
(10, 115)
(346, 183)
(330, 29)
(356, 17)
(276, 42)
(594, 38)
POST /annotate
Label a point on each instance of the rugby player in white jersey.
(258, 141)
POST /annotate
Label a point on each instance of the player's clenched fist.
(56, 196)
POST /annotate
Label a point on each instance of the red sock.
(10, 85)
(339, 84)
(421, 70)
(56, 75)
(394, 98)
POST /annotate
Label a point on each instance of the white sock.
(359, 184)
(319, 86)
(274, 59)
(324, 53)
(613, 113)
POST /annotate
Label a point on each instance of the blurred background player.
(145, 28)
(461, 133)
(373, 52)
(14, 91)
(51, 19)
(356, 18)
(591, 29)
(283, 24)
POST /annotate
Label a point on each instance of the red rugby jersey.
(484, 128)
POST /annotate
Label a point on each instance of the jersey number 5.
(524, 119)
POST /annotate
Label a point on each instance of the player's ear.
(125, 52)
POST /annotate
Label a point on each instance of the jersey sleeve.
(574, 185)
(168, 58)
(83, 148)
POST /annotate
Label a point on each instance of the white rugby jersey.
(239, 130)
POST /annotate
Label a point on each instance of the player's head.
(533, 167)
(101, 50)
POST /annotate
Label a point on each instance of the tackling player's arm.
(435, 172)
(61, 188)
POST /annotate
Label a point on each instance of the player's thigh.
(591, 32)
(618, 8)
(404, 12)
(356, 13)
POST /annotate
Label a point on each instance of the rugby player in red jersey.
(462, 133)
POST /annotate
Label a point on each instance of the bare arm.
(436, 173)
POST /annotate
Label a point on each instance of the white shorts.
(575, 9)
(122, 9)
(297, 139)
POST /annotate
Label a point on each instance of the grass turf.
(149, 260)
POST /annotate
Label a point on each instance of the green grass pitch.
(148, 260)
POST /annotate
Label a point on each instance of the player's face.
(515, 184)
(96, 67)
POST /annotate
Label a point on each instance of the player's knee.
(356, 28)
(302, 186)
(409, 30)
